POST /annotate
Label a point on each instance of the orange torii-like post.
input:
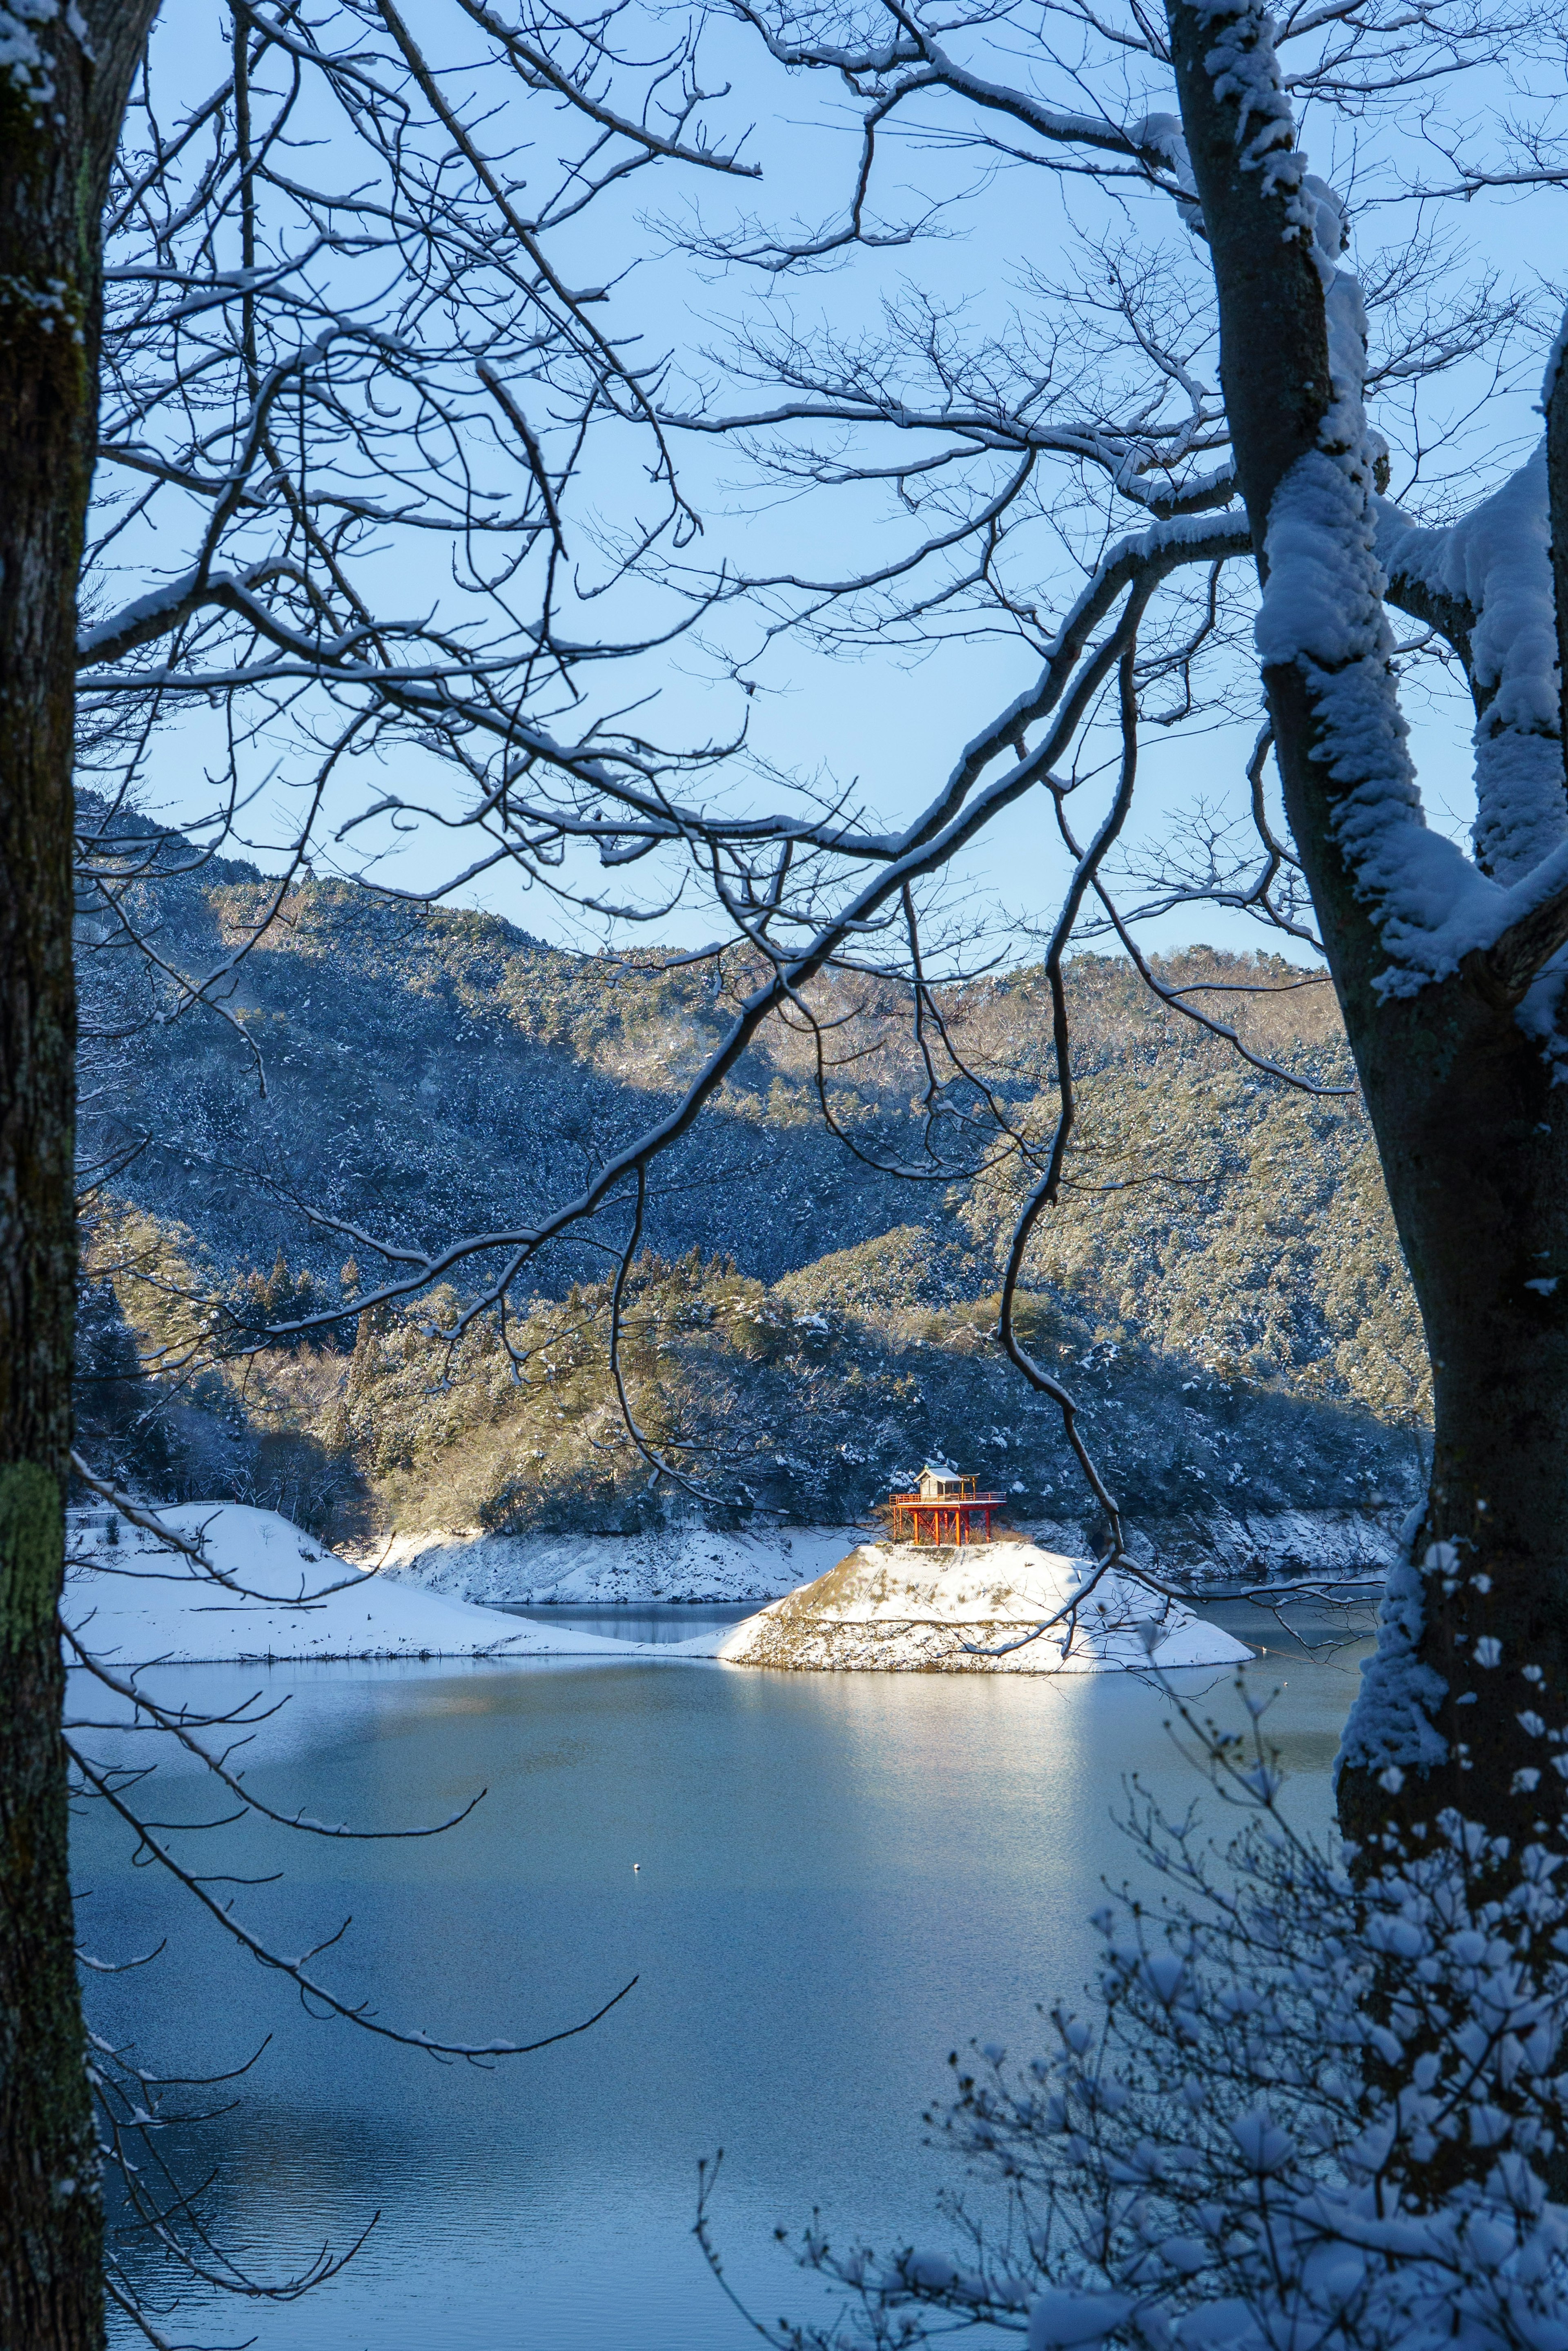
(946, 1508)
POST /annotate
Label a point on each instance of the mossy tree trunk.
(62, 97)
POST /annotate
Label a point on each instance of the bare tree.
(1446, 964)
(62, 89)
(1214, 247)
(307, 366)
(293, 370)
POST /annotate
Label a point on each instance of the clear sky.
(890, 725)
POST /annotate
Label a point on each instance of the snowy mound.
(899, 1608)
(133, 1601)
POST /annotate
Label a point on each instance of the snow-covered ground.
(898, 1608)
(684, 1563)
(133, 1601)
(1221, 1549)
(885, 1607)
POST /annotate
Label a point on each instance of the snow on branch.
(1390, 1731)
(1322, 610)
(1494, 568)
(1322, 613)
(1311, 2098)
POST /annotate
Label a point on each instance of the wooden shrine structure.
(944, 1509)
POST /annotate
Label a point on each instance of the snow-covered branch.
(1303, 2102)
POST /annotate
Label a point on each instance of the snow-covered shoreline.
(1212, 1553)
(678, 1565)
(134, 1603)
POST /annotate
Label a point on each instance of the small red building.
(946, 1508)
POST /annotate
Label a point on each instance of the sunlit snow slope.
(134, 1601)
(897, 1608)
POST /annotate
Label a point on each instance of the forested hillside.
(1221, 1282)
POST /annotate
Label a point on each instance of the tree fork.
(62, 96)
(1472, 1135)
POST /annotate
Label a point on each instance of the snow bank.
(134, 1602)
(899, 1608)
(680, 1563)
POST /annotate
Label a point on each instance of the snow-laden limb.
(163, 610)
(1323, 610)
(1146, 556)
(1244, 66)
(1494, 568)
(1134, 458)
(636, 806)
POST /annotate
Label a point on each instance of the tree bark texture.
(1473, 1134)
(1555, 403)
(62, 96)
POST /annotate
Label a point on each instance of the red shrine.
(945, 1510)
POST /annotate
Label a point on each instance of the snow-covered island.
(972, 1608)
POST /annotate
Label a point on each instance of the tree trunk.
(61, 100)
(1473, 1134)
(1473, 1138)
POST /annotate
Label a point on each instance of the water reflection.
(842, 1877)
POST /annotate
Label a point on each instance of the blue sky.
(891, 726)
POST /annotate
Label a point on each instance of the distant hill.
(1223, 1282)
(427, 1074)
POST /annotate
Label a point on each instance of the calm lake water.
(656, 1621)
(842, 1877)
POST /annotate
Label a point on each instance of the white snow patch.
(135, 1602)
(1390, 1725)
(1322, 609)
(1161, 134)
(1553, 361)
(1219, 1548)
(1216, 1545)
(1498, 560)
(1244, 66)
(22, 57)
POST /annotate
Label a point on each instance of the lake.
(842, 1878)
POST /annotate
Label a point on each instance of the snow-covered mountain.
(1238, 1332)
